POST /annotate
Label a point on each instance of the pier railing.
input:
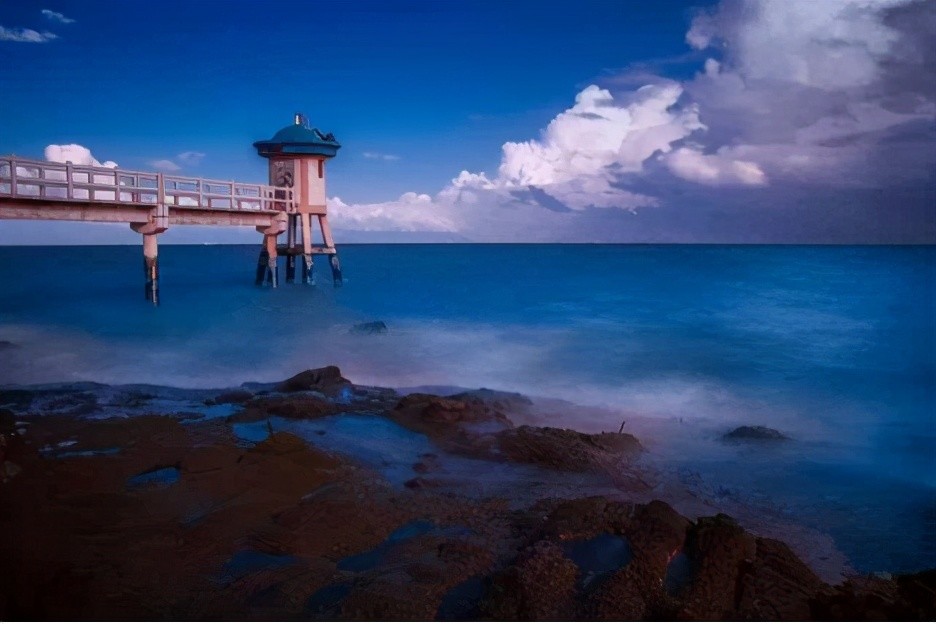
(66, 182)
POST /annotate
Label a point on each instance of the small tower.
(297, 155)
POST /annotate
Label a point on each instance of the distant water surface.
(835, 346)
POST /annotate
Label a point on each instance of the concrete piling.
(272, 276)
(151, 269)
(336, 270)
(291, 250)
(262, 265)
(308, 277)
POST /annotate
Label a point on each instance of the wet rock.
(7, 422)
(904, 598)
(461, 426)
(655, 533)
(754, 433)
(541, 585)
(720, 551)
(505, 402)
(327, 380)
(373, 327)
(420, 483)
(777, 585)
(234, 396)
(301, 407)
(8, 470)
(431, 409)
(565, 449)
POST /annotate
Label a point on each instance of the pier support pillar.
(291, 250)
(272, 276)
(263, 261)
(266, 263)
(330, 244)
(308, 277)
(157, 224)
(151, 268)
(336, 269)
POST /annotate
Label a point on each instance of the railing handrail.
(270, 198)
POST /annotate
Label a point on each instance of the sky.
(731, 121)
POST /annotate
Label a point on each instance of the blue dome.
(299, 138)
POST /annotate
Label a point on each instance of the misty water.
(833, 346)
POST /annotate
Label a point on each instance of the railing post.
(200, 193)
(12, 176)
(160, 190)
(70, 193)
(233, 204)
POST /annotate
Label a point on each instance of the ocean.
(833, 346)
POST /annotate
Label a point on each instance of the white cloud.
(380, 156)
(76, 154)
(191, 159)
(690, 163)
(26, 35)
(412, 212)
(57, 17)
(164, 165)
(828, 44)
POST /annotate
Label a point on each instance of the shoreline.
(512, 500)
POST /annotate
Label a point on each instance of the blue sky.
(418, 92)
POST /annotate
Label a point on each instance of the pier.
(150, 203)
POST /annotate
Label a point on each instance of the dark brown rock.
(721, 552)
(541, 585)
(327, 380)
(234, 396)
(301, 407)
(754, 434)
(565, 449)
(777, 585)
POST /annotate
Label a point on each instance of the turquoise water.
(835, 346)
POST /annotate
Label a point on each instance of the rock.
(539, 586)
(565, 449)
(374, 327)
(777, 585)
(303, 407)
(9, 470)
(655, 533)
(327, 380)
(420, 483)
(234, 396)
(721, 551)
(505, 402)
(460, 426)
(7, 421)
(754, 433)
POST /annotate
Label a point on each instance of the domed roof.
(299, 138)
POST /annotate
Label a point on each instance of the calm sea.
(835, 346)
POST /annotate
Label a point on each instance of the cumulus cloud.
(412, 212)
(164, 164)
(76, 154)
(826, 105)
(813, 92)
(56, 17)
(191, 159)
(690, 163)
(26, 35)
(380, 156)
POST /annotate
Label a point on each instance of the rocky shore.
(259, 504)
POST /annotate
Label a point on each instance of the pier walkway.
(152, 202)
